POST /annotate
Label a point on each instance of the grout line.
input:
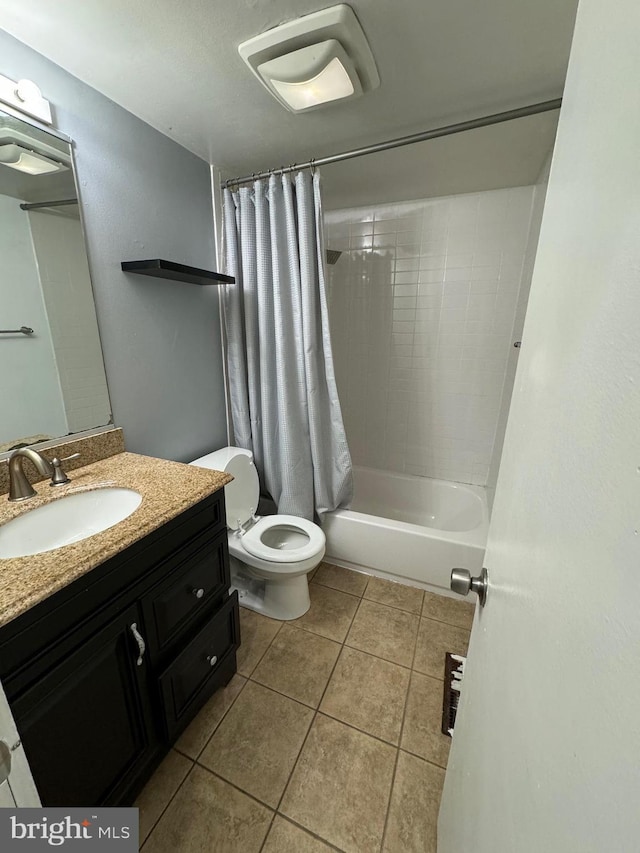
(284, 695)
(171, 799)
(309, 832)
(217, 725)
(395, 767)
(393, 607)
(315, 714)
(298, 624)
(363, 572)
(417, 613)
(316, 711)
(312, 630)
(295, 763)
(235, 786)
(391, 789)
(422, 758)
(342, 591)
(337, 588)
(323, 636)
(264, 840)
(373, 654)
(378, 657)
(361, 731)
(449, 624)
(428, 674)
(282, 622)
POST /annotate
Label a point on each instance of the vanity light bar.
(25, 96)
(36, 205)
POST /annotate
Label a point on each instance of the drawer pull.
(137, 636)
(213, 659)
(198, 592)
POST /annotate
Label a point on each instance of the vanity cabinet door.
(86, 726)
(204, 664)
(182, 597)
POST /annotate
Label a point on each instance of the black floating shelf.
(177, 272)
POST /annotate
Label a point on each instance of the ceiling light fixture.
(314, 60)
(25, 160)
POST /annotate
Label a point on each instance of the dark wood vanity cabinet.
(87, 725)
(104, 675)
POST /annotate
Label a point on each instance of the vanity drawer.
(197, 671)
(199, 579)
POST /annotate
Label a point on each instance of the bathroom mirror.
(52, 378)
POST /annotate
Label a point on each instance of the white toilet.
(270, 556)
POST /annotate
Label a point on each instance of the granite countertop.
(167, 489)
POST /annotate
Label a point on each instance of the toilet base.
(285, 598)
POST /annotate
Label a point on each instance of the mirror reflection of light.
(31, 162)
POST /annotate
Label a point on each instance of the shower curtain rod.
(447, 130)
(35, 205)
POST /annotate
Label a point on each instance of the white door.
(16, 783)
(546, 753)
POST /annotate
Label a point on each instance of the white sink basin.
(66, 520)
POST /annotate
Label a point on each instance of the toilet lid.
(242, 494)
(267, 539)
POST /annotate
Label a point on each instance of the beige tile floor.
(327, 738)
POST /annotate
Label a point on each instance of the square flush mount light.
(25, 160)
(314, 60)
(327, 75)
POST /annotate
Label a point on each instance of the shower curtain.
(283, 397)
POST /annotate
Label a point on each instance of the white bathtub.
(408, 527)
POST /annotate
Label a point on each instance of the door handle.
(462, 583)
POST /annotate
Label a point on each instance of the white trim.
(218, 219)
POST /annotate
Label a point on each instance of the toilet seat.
(253, 540)
(269, 569)
(269, 557)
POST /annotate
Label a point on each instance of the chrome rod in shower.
(34, 205)
(435, 133)
(23, 330)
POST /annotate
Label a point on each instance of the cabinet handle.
(137, 636)
(198, 592)
(213, 659)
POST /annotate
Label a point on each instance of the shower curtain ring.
(312, 165)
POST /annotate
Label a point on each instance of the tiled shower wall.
(422, 306)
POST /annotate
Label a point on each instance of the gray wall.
(143, 196)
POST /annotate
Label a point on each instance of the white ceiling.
(508, 155)
(176, 65)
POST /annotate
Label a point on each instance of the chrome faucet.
(20, 489)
